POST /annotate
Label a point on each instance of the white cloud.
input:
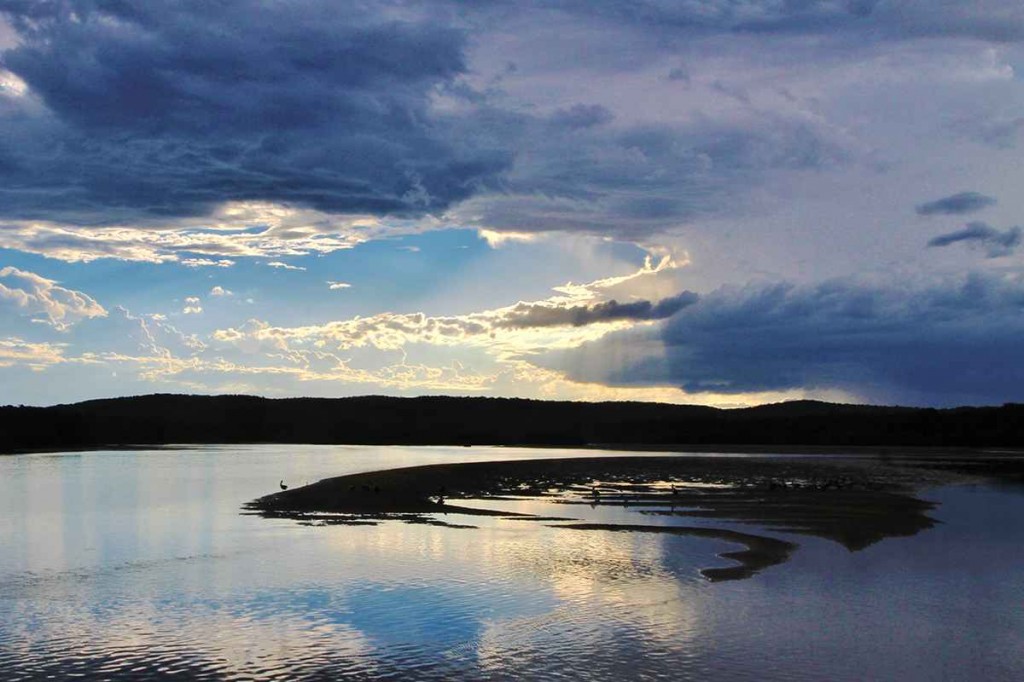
(43, 299)
(490, 352)
(338, 285)
(497, 239)
(192, 306)
(235, 230)
(221, 291)
(207, 263)
(15, 351)
(284, 266)
(575, 315)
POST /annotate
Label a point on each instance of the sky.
(720, 202)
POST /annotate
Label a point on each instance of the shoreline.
(100, 448)
(665, 448)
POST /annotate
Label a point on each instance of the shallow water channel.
(139, 565)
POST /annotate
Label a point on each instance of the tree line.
(166, 419)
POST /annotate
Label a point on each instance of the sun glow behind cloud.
(235, 230)
(500, 344)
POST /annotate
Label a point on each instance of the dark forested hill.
(158, 419)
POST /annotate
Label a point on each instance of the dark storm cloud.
(581, 116)
(139, 112)
(998, 21)
(634, 181)
(995, 242)
(735, 15)
(143, 113)
(527, 315)
(957, 204)
(951, 342)
(166, 108)
(992, 20)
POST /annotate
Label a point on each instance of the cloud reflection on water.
(172, 578)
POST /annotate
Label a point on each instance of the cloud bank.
(954, 341)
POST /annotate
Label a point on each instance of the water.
(138, 565)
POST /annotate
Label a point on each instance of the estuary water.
(139, 565)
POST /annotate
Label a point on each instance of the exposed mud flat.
(854, 501)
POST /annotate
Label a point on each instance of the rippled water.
(136, 565)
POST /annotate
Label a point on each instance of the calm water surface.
(138, 565)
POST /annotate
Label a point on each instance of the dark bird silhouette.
(283, 486)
